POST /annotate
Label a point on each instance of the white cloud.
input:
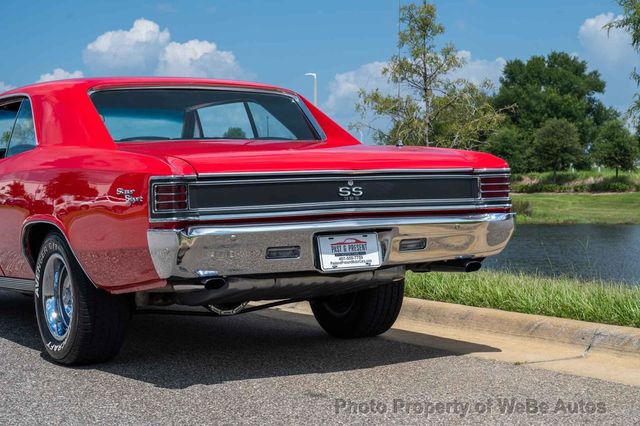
(610, 53)
(198, 58)
(59, 74)
(146, 49)
(344, 88)
(5, 87)
(606, 47)
(137, 48)
(479, 70)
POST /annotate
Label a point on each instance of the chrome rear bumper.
(240, 250)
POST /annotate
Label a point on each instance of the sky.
(346, 42)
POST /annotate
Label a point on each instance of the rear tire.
(78, 323)
(364, 313)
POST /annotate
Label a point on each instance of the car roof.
(111, 82)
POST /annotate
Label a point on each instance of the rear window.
(187, 114)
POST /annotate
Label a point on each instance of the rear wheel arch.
(34, 234)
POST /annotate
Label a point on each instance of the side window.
(225, 121)
(8, 113)
(267, 125)
(23, 137)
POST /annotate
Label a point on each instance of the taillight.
(494, 186)
(170, 197)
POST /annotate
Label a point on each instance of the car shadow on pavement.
(175, 352)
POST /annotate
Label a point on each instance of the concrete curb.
(591, 336)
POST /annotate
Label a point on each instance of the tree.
(556, 145)
(435, 108)
(513, 145)
(234, 133)
(615, 147)
(629, 21)
(556, 86)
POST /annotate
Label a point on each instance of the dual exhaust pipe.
(450, 266)
(226, 296)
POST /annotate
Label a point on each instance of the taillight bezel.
(169, 198)
(495, 186)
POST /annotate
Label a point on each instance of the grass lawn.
(557, 297)
(580, 208)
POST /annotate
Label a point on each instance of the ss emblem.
(350, 191)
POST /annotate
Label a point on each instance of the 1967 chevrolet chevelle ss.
(122, 193)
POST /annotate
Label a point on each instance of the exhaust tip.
(472, 266)
(214, 283)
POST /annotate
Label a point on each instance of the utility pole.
(399, 142)
(315, 86)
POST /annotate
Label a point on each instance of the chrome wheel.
(57, 297)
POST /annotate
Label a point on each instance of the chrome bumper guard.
(240, 250)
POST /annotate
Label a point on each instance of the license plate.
(353, 251)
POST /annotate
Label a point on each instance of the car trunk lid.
(215, 157)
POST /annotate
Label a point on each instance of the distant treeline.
(544, 116)
(557, 121)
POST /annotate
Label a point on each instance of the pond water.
(608, 252)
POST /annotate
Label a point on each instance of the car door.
(17, 136)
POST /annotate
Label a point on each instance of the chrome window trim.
(14, 95)
(311, 121)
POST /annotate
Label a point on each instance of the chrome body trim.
(333, 178)
(17, 284)
(320, 208)
(238, 250)
(505, 204)
(505, 171)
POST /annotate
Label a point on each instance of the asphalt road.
(265, 368)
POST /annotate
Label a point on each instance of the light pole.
(315, 86)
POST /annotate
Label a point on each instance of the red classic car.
(123, 193)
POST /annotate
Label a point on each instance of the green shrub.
(518, 188)
(579, 181)
(522, 207)
(583, 187)
(537, 187)
(550, 187)
(613, 184)
(560, 179)
(618, 187)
